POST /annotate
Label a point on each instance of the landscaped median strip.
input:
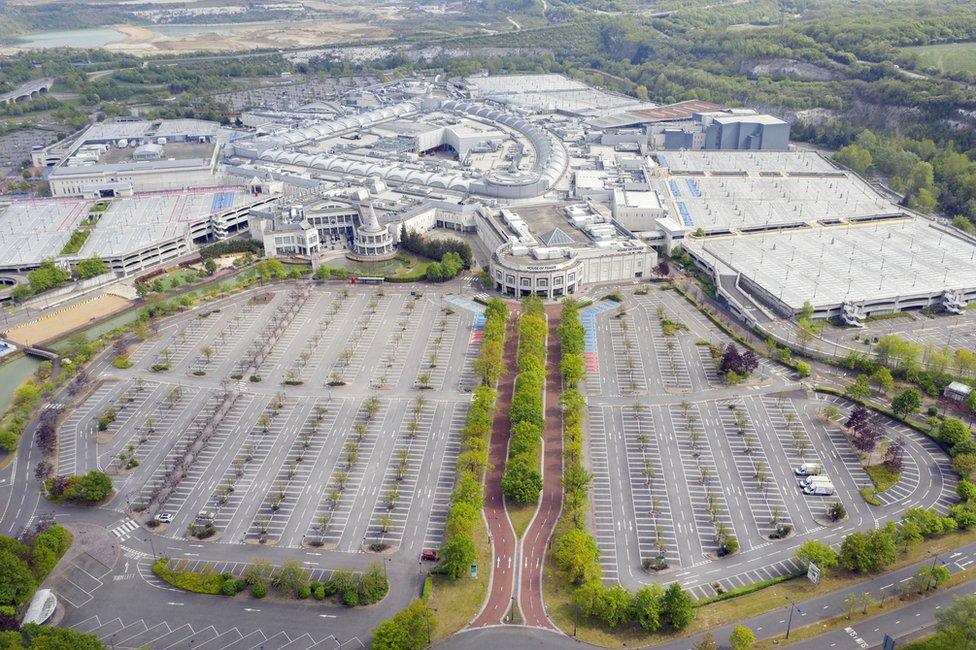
(290, 580)
(522, 481)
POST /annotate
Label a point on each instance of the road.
(504, 546)
(537, 536)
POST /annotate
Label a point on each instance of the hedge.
(467, 499)
(195, 581)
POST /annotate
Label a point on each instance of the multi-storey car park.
(131, 234)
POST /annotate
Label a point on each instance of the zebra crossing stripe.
(126, 528)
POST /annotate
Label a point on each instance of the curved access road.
(504, 544)
(536, 540)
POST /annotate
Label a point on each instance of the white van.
(814, 480)
(820, 489)
(808, 469)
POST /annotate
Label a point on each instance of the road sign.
(813, 573)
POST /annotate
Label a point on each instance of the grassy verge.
(870, 496)
(935, 641)
(860, 614)
(455, 602)
(521, 515)
(882, 477)
(558, 595)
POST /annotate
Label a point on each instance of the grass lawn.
(947, 57)
(178, 278)
(521, 515)
(882, 477)
(558, 594)
(457, 601)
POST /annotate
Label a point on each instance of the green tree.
(522, 481)
(92, 487)
(741, 638)
(859, 389)
(614, 605)
(816, 552)
(577, 553)
(677, 607)
(854, 553)
(390, 634)
(91, 267)
(373, 586)
(856, 157)
(458, 554)
(906, 402)
(958, 623)
(35, 637)
(645, 607)
(966, 491)
(882, 379)
(290, 577)
(953, 432)
(16, 579)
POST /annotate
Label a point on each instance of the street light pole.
(789, 623)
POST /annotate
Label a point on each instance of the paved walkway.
(505, 558)
(537, 536)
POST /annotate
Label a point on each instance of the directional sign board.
(813, 573)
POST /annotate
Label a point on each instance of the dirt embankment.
(276, 35)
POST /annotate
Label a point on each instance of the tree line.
(522, 479)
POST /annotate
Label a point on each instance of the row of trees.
(522, 480)
(929, 367)
(872, 551)
(467, 500)
(575, 551)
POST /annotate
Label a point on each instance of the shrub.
(89, 488)
(195, 581)
(228, 588)
(373, 586)
(259, 590)
(350, 597)
(304, 592)
(318, 592)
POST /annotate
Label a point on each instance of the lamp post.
(789, 623)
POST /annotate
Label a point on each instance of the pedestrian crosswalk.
(124, 529)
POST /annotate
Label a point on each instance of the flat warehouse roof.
(749, 201)
(828, 266)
